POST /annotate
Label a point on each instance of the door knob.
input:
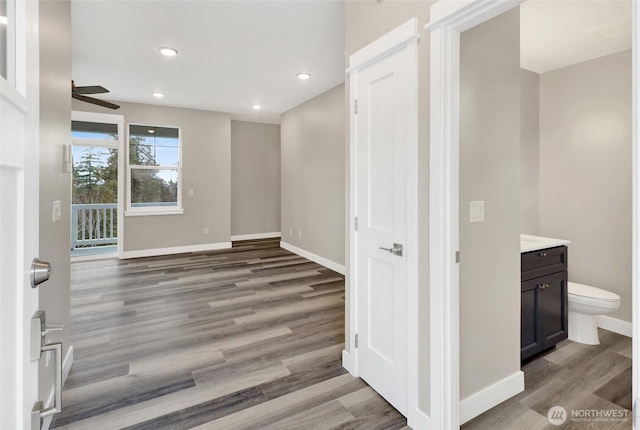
(396, 250)
(40, 272)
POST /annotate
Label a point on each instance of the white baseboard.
(349, 363)
(422, 421)
(174, 250)
(615, 325)
(315, 258)
(254, 236)
(491, 396)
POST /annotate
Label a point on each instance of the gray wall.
(585, 170)
(366, 21)
(206, 168)
(490, 171)
(529, 151)
(55, 132)
(313, 176)
(255, 178)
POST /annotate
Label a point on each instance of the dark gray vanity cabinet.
(544, 300)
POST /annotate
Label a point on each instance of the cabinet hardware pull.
(543, 286)
(542, 254)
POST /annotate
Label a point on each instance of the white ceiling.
(232, 54)
(235, 53)
(559, 33)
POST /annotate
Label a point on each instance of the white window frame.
(158, 210)
(118, 120)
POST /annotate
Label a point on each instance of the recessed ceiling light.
(256, 106)
(158, 94)
(4, 20)
(303, 76)
(169, 52)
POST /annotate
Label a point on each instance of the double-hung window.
(154, 177)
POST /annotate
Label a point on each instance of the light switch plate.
(57, 210)
(476, 210)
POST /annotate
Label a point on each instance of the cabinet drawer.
(543, 262)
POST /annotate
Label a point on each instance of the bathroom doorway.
(446, 27)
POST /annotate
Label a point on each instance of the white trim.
(635, 106)
(449, 19)
(174, 250)
(254, 236)
(94, 257)
(13, 96)
(615, 325)
(349, 363)
(491, 396)
(393, 41)
(154, 211)
(403, 37)
(336, 267)
(87, 141)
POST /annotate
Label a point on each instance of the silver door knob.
(396, 250)
(40, 272)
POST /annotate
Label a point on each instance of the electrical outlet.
(206, 230)
(300, 233)
(190, 191)
(290, 232)
(57, 210)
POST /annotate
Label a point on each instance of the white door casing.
(383, 287)
(19, 140)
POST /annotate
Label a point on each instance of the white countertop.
(534, 243)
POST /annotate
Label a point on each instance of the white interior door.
(18, 211)
(382, 222)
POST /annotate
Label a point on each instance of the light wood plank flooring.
(251, 338)
(247, 338)
(575, 376)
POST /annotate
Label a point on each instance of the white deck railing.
(94, 224)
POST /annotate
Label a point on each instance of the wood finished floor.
(574, 376)
(247, 338)
(251, 338)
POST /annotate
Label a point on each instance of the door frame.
(403, 37)
(118, 120)
(448, 19)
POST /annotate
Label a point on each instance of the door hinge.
(457, 256)
(355, 223)
(356, 340)
(355, 107)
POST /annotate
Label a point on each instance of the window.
(154, 170)
(7, 40)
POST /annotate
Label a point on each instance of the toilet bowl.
(585, 304)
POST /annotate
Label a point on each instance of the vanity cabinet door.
(530, 330)
(554, 308)
(544, 313)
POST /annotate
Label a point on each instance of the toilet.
(585, 304)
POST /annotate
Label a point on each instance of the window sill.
(150, 212)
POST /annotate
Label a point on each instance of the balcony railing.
(93, 225)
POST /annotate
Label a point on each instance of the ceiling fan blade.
(94, 101)
(93, 89)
